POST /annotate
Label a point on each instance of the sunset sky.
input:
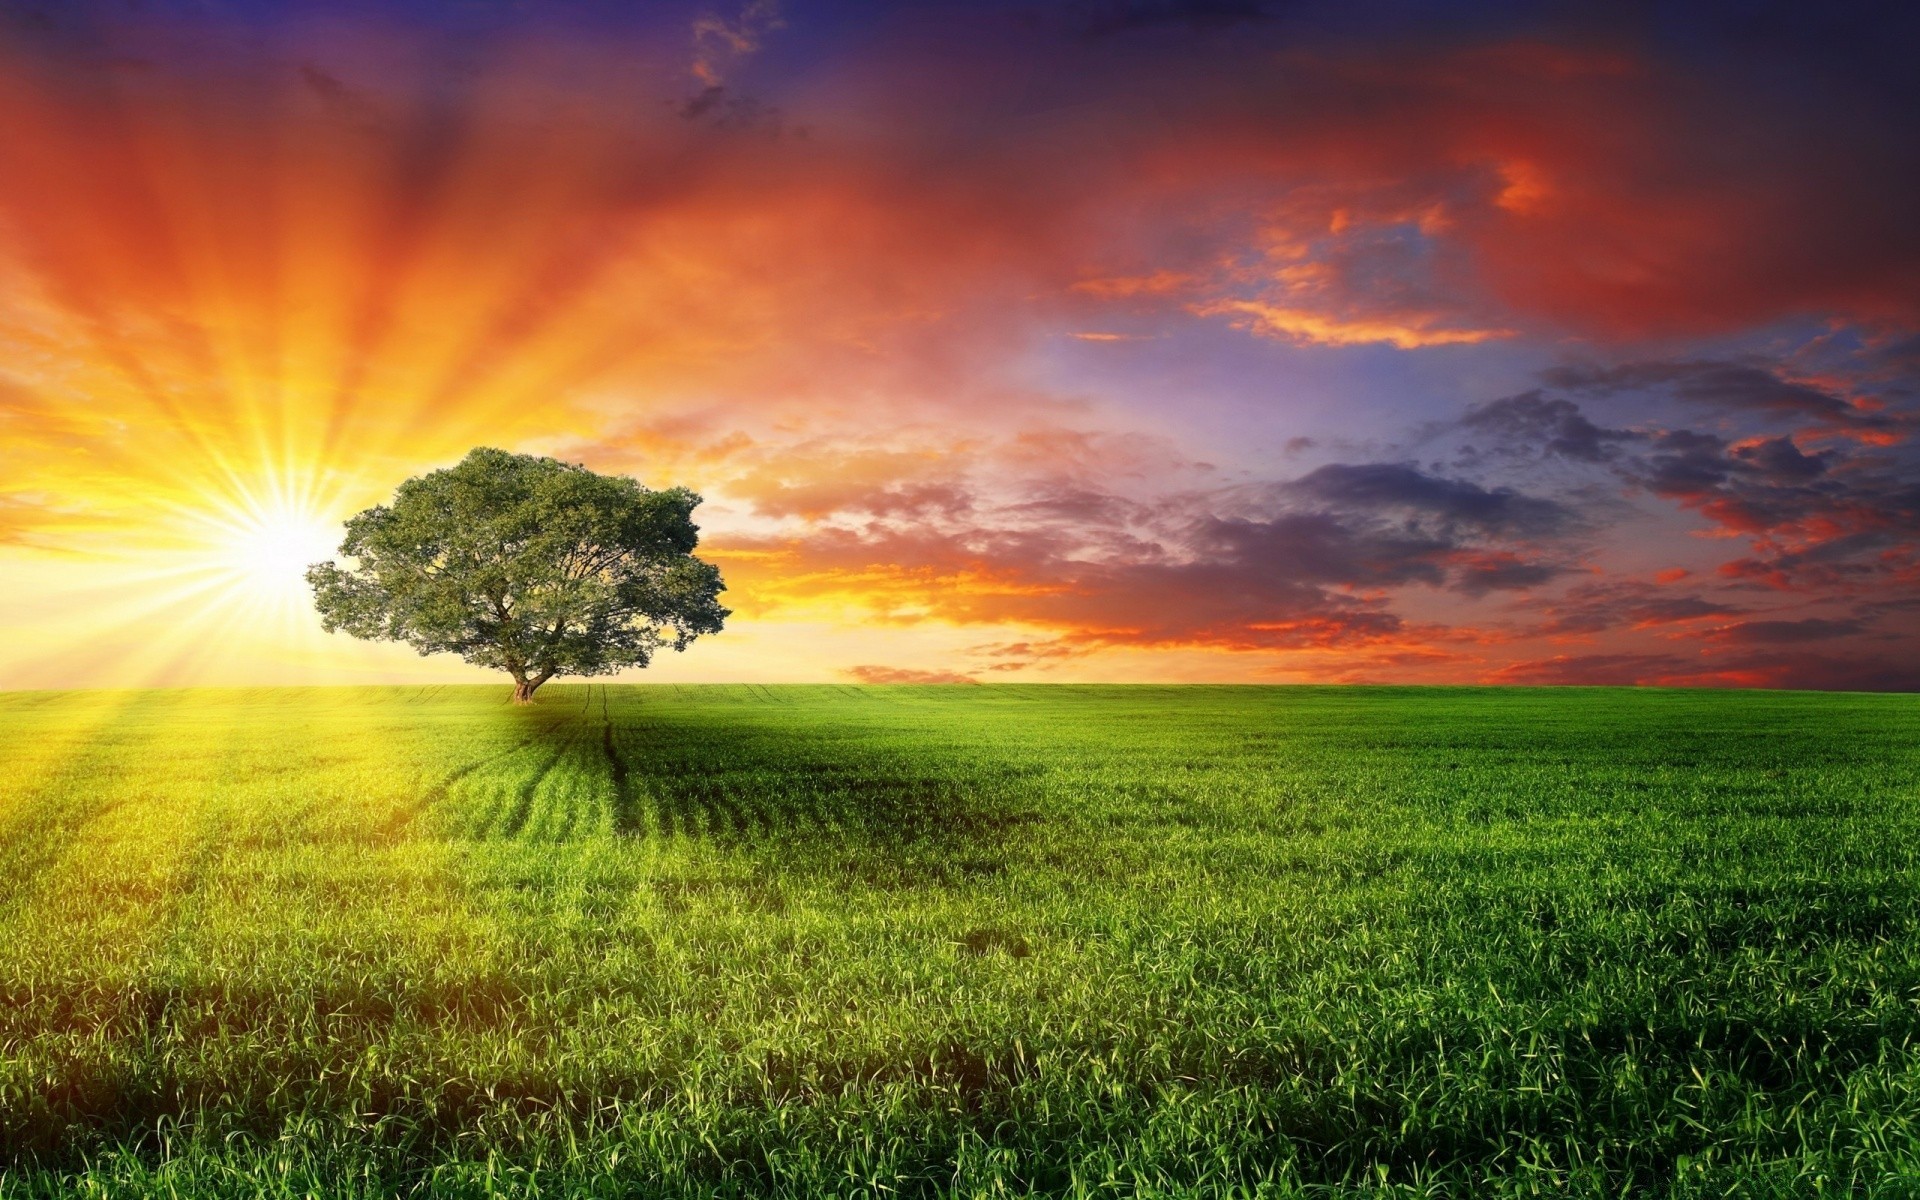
(1127, 340)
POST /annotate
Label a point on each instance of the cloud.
(716, 107)
(1844, 517)
(1403, 488)
(1626, 603)
(815, 481)
(1401, 330)
(1020, 656)
(1486, 187)
(1798, 507)
(1775, 633)
(28, 519)
(1842, 673)
(1593, 670)
(541, 225)
(1033, 541)
(1501, 571)
(877, 674)
(1538, 424)
(720, 43)
(1739, 387)
(1773, 669)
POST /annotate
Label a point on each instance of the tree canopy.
(527, 565)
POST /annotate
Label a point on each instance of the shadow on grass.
(741, 780)
(748, 784)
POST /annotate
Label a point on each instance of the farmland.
(969, 941)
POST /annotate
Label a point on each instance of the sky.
(1105, 340)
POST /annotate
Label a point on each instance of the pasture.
(1091, 941)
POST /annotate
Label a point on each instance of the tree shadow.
(746, 783)
(745, 777)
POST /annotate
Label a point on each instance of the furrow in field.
(442, 792)
(696, 781)
(627, 818)
(566, 801)
(653, 781)
(567, 786)
(484, 801)
(523, 805)
(726, 816)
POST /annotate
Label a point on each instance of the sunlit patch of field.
(972, 941)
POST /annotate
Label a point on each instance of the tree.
(525, 564)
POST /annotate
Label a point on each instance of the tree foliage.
(527, 565)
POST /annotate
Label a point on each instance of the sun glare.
(258, 548)
(269, 553)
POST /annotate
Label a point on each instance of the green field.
(968, 941)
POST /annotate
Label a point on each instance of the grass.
(959, 941)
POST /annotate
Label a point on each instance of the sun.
(267, 552)
(256, 546)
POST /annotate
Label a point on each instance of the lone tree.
(529, 565)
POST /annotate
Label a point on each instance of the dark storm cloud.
(1771, 486)
(1844, 514)
(1734, 387)
(1399, 487)
(1320, 548)
(1553, 426)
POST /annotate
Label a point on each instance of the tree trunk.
(523, 690)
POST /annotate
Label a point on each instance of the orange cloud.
(1524, 185)
(875, 674)
(1407, 331)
